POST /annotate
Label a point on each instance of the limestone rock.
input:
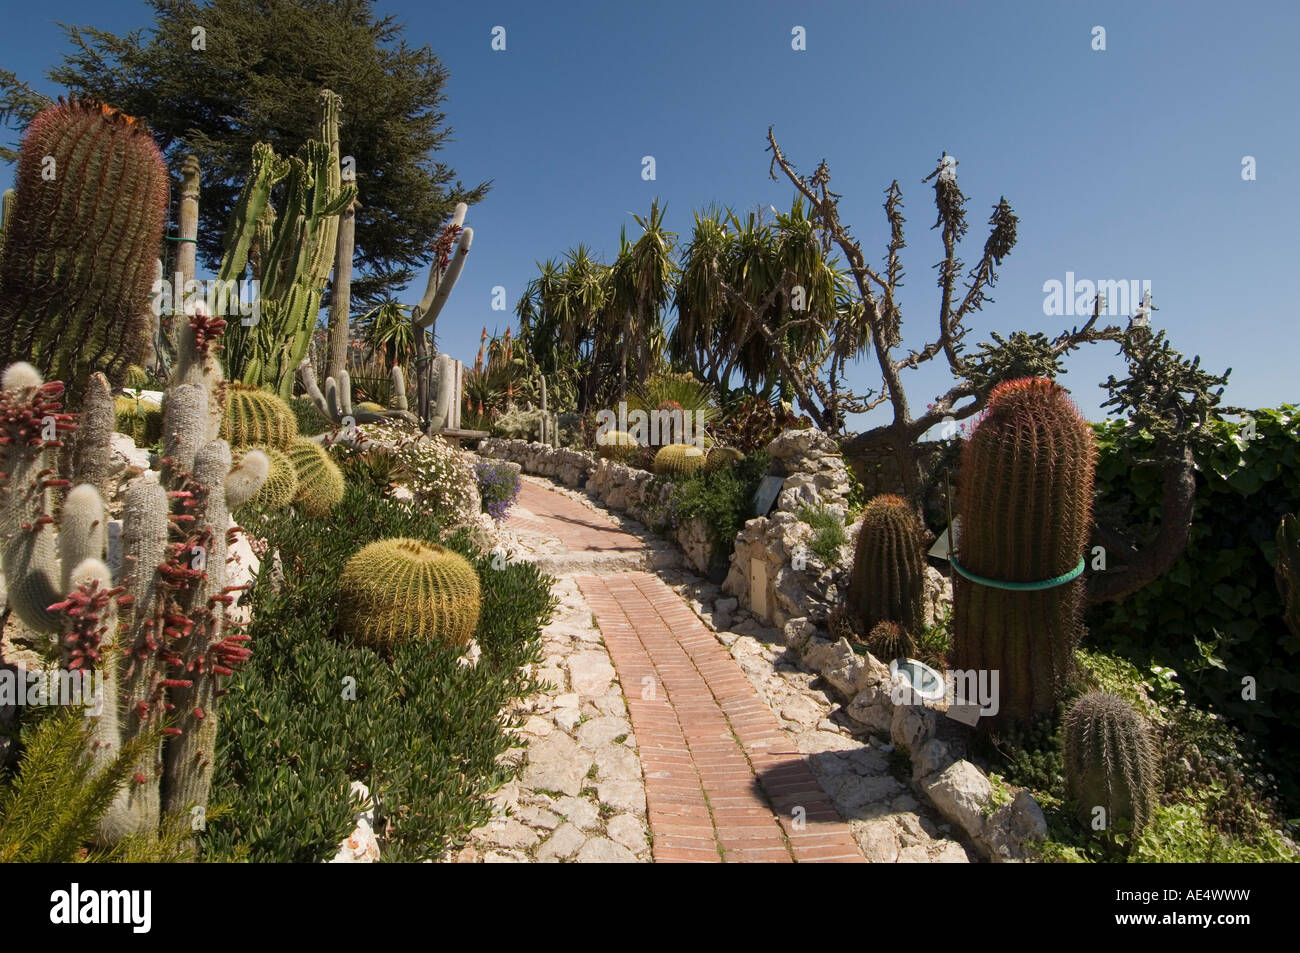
(961, 792)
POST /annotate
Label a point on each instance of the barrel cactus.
(403, 589)
(320, 481)
(257, 417)
(888, 580)
(281, 485)
(81, 244)
(616, 445)
(1110, 761)
(141, 419)
(1024, 498)
(721, 458)
(678, 460)
(889, 641)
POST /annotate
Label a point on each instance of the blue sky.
(1122, 164)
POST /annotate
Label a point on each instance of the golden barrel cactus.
(407, 589)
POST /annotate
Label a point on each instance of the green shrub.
(1216, 616)
(724, 499)
(423, 731)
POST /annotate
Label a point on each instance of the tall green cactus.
(165, 642)
(80, 245)
(1024, 498)
(888, 580)
(293, 251)
(1110, 761)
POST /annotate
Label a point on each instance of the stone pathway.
(663, 739)
(721, 781)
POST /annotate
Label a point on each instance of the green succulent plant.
(141, 419)
(1024, 497)
(678, 460)
(257, 417)
(1110, 761)
(406, 589)
(281, 485)
(80, 245)
(721, 458)
(888, 581)
(320, 481)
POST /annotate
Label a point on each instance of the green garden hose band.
(1019, 586)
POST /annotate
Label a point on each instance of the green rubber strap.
(1019, 586)
(173, 238)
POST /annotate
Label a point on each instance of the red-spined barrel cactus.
(1024, 497)
(888, 581)
(1110, 761)
(87, 225)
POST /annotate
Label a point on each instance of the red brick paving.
(577, 527)
(721, 780)
(722, 783)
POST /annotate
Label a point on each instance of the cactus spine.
(397, 589)
(254, 416)
(888, 581)
(80, 245)
(320, 481)
(165, 642)
(1024, 498)
(678, 460)
(1110, 760)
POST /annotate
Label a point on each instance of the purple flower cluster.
(498, 485)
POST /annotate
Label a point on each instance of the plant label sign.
(766, 494)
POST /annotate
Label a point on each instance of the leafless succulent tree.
(878, 287)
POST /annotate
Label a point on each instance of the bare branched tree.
(878, 288)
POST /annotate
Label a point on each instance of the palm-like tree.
(755, 298)
(640, 288)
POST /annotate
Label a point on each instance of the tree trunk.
(1177, 503)
(341, 294)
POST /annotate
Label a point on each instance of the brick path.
(721, 779)
(577, 527)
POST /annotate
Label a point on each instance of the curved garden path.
(654, 743)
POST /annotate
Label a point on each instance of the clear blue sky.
(1123, 164)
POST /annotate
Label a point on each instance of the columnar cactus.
(80, 245)
(407, 589)
(295, 251)
(1024, 498)
(257, 417)
(888, 581)
(678, 460)
(158, 632)
(336, 401)
(1110, 761)
(320, 481)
